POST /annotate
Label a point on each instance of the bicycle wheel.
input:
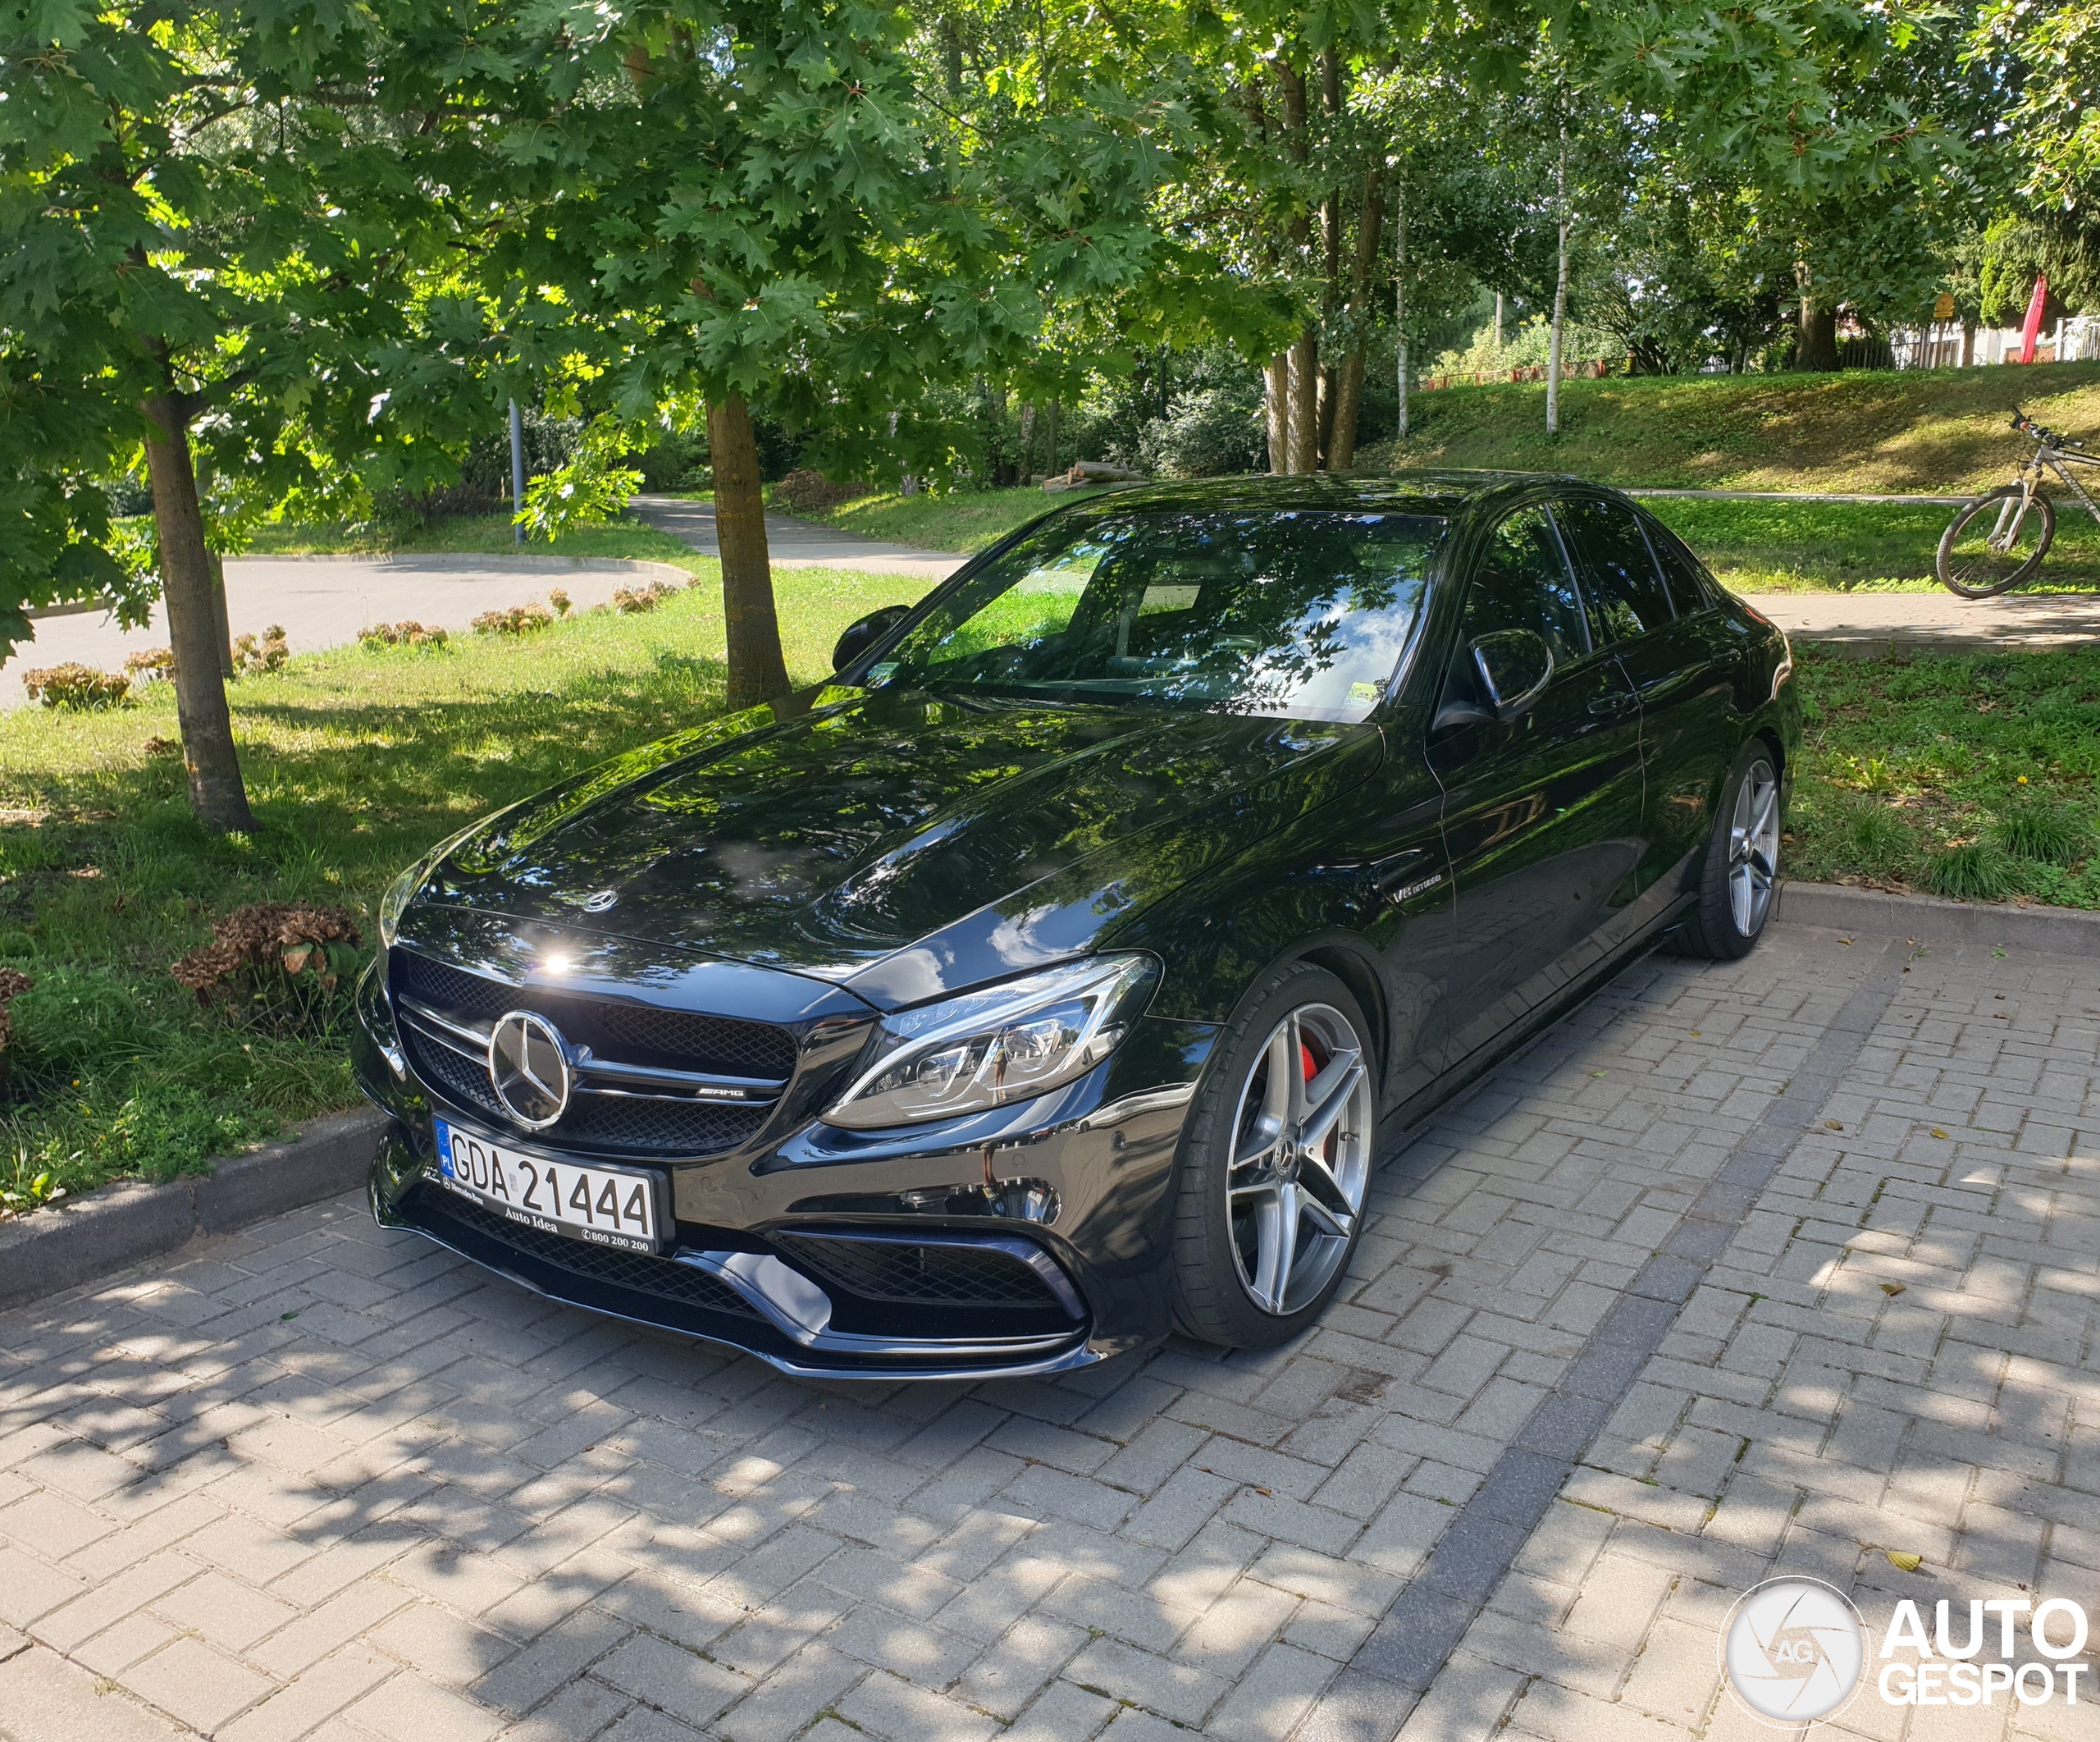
(1979, 559)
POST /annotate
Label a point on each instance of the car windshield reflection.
(1301, 614)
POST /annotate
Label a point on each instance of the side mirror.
(860, 636)
(1514, 666)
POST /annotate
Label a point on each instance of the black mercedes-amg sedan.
(1054, 976)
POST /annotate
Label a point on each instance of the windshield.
(1303, 614)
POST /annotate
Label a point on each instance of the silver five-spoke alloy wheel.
(1754, 847)
(1301, 1158)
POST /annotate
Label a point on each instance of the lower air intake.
(928, 1273)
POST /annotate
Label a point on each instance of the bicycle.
(1975, 564)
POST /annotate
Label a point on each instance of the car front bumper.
(1057, 1207)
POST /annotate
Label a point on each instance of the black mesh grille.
(928, 1273)
(621, 1033)
(607, 1121)
(633, 1034)
(459, 1078)
(435, 1208)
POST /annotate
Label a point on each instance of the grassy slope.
(355, 761)
(966, 521)
(1938, 433)
(1849, 546)
(1931, 433)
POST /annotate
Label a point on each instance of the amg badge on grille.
(529, 1068)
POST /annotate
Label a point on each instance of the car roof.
(1427, 491)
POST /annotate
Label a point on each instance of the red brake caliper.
(1312, 1071)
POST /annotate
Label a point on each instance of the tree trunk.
(1276, 405)
(1305, 403)
(1498, 324)
(1349, 390)
(1559, 296)
(194, 636)
(1348, 399)
(222, 626)
(1817, 349)
(1554, 339)
(1027, 441)
(757, 670)
(1050, 465)
(1302, 420)
(1401, 297)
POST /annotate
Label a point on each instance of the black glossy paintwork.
(900, 844)
(849, 851)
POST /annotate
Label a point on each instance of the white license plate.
(607, 1206)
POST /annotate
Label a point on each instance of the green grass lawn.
(1969, 776)
(356, 762)
(1936, 432)
(476, 535)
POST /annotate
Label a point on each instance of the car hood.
(900, 842)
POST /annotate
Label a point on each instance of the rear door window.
(1691, 587)
(1624, 588)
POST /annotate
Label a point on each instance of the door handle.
(1613, 707)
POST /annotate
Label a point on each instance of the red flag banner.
(2032, 330)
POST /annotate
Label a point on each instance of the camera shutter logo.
(1792, 1650)
(529, 1068)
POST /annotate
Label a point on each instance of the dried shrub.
(633, 600)
(155, 662)
(251, 657)
(13, 983)
(73, 685)
(805, 491)
(518, 620)
(406, 633)
(282, 962)
(560, 600)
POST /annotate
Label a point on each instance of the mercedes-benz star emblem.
(529, 1068)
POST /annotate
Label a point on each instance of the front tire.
(1971, 563)
(1739, 876)
(1276, 1164)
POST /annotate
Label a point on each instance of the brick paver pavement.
(320, 1481)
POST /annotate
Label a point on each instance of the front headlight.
(395, 901)
(399, 892)
(1006, 1043)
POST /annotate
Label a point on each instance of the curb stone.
(120, 1225)
(2061, 932)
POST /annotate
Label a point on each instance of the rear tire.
(1268, 1216)
(1968, 566)
(1739, 879)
